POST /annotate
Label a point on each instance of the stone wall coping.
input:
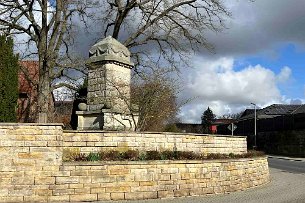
(31, 124)
(215, 161)
(144, 132)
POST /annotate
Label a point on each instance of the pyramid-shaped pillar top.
(109, 49)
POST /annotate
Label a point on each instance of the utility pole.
(254, 125)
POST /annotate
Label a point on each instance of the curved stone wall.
(88, 141)
(32, 169)
(138, 180)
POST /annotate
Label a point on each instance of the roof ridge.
(300, 106)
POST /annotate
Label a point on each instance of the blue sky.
(260, 58)
(287, 55)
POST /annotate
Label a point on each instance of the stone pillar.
(108, 99)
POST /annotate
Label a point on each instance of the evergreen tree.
(9, 66)
(206, 120)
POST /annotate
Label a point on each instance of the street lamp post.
(254, 125)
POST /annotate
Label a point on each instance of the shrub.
(167, 155)
(131, 155)
(253, 153)
(185, 155)
(81, 157)
(153, 155)
(217, 156)
(232, 156)
(70, 154)
(110, 155)
(93, 157)
(142, 156)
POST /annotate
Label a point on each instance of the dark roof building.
(276, 117)
(273, 111)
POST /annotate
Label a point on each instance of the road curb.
(287, 158)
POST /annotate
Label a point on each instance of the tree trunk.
(44, 79)
(43, 92)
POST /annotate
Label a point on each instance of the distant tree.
(8, 80)
(206, 120)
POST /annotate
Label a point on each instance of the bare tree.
(172, 29)
(234, 116)
(46, 26)
(156, 99)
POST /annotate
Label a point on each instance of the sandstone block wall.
(93, 141)
(32, 170)
(159, 179)
(30, 160)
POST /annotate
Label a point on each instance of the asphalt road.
(287, 165)
(287, 186)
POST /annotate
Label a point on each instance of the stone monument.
(108, 99)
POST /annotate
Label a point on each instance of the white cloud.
(216, 84)
(284, 75)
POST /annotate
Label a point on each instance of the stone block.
(103, 196)
(57, 173)
(117, 196)
(182, 193)
(195, 192)
(58, 192)
(3, 191)
(119, 189)
(50, 168)
(26, 137)
(30, 155)
(165, 194)
(67, 180)
(83, 197)
(5, 181)
(43, 192)
(85, 179)
(208, 190)
(61, 198)
(99, 189)
(76, 186)
(59, 187)
(164, 177)
(150, 195)
(186, 186)
(82, 190)
(148, 183)
(20, 190)
(134, 196)
(25, 180)
(119, 171)
(11, 199)
(35, 143)
(44, 180)
(79, 173)
(35, 198)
